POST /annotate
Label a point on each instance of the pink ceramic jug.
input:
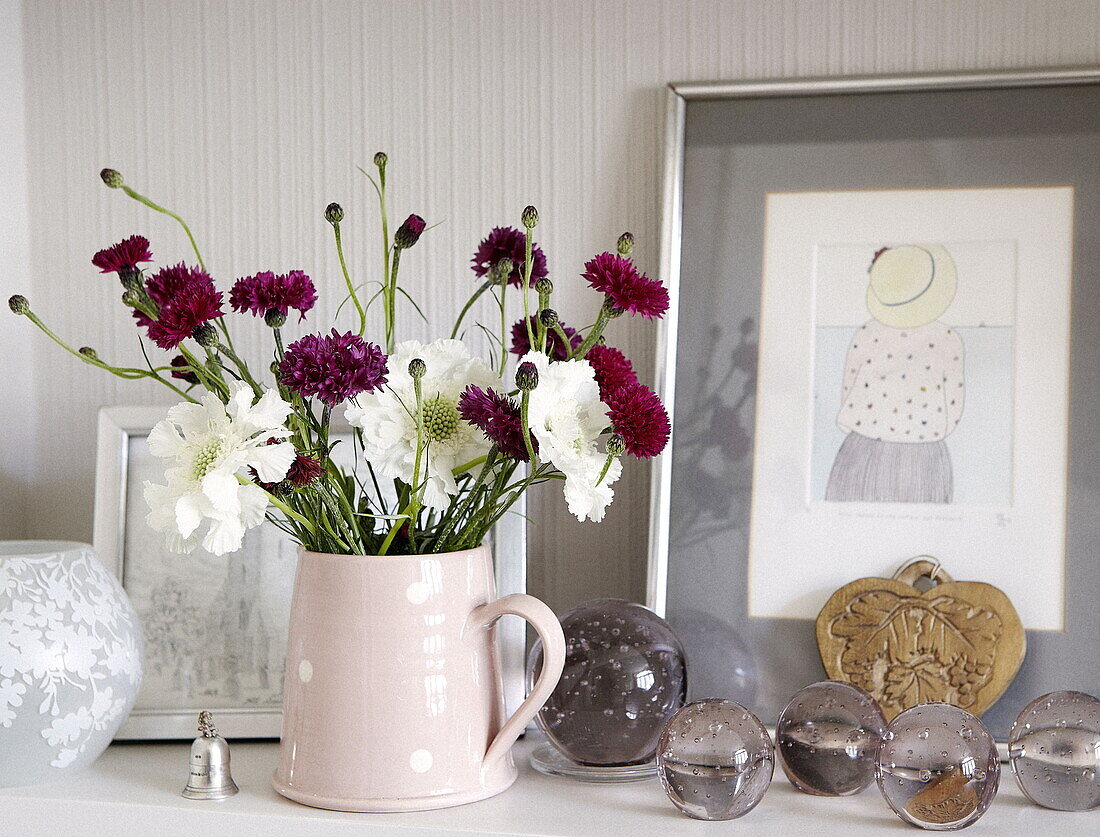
(393, 698)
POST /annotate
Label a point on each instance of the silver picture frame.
(1051, 656)
(164, 717)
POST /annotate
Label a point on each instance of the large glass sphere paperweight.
(624, 678)
(937, 767)
(827, 739)
(715, 760)
(1055, 751)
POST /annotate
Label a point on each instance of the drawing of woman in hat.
(904, 387)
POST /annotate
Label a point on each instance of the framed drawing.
(882, 345)
(215, 628)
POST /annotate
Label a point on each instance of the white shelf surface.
(134, 790)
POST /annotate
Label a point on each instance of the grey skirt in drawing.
(873, 471)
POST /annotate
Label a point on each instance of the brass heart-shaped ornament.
(957, 642)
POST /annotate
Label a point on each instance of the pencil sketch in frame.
(215, 628)
(730, 146)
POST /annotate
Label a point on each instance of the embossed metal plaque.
(958, 642)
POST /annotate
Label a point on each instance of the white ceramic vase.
(393, 698)
(70, 659)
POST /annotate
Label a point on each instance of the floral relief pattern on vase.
(909, 650)
(70, 658)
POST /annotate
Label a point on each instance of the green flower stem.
(190, 237)
(527, 267)
(417, 487)
(594, 335)
(412, 506)
(342, 520)
(242, 367)
(475, 528)
(469, 304)
(558, 330)
(503, 330)
(473, 463)
(174, 389)
(281, 505)
(606, 467)
(125, 372)
(384, 548)
(170, 214)
(212, 382)
(525, 427)
(389, 299)
(544, 303)
(347, 280)
(457, 514)
(385, 222)
(540, 335)
(349, 515)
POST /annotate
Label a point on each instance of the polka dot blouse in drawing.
(903, 385)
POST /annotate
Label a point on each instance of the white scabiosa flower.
(387, 416)
(567, 417)
(205, 446)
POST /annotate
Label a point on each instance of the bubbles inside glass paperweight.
(715, 760)
(827, 739)
(937, 767)
(1055, 751)
(624, 677)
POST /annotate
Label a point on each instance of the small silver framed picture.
(215, 628)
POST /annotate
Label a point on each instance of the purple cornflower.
(268, 291)
(628, 289)
(332, 367)
(498, 417)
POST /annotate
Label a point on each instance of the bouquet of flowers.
(445, 442)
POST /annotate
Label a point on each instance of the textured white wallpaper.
(249, 117)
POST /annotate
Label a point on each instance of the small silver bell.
(209, 777)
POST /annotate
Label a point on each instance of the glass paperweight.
(715, 760)
(1054, 748)
(827, 739)
(624, 677)
(937, 767)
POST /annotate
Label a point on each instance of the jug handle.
(548, 628)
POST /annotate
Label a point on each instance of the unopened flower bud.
(131, 298)
(544, 286)
(626, 244)
(527, 376)
(206, 336)
(409, 233)
(334, 213)
(502, 270)
(380, 159)
(417, 368)
(548, 317)
(88, 352)
(530, 217)
(616, 445)
(275, 318)
(111, 177)
(19, 305)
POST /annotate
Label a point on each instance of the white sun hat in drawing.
(911, 285)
